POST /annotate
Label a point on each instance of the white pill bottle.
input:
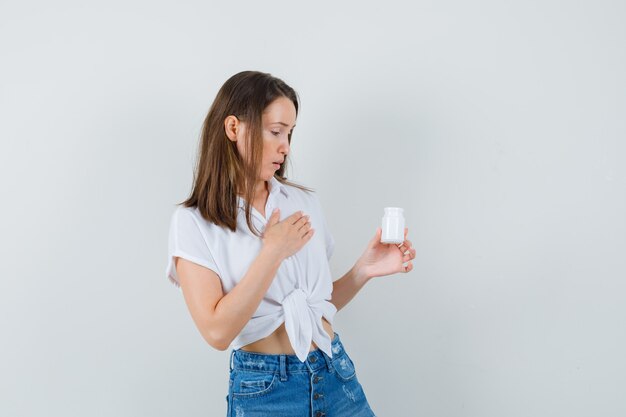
(392, 225)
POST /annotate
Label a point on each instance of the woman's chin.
(269, 175)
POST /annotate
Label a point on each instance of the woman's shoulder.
(182, 211)
(190, 215)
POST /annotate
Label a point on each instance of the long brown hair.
(220, 172)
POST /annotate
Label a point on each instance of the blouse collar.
(274, 186)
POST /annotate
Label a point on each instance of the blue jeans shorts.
(262, 385)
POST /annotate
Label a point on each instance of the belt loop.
(230, 362)
(283, 368)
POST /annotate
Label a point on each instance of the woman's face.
(278, 119)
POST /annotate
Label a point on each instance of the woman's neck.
(262, 189)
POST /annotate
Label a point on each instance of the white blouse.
(301, 291)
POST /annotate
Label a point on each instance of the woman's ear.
(232, 127)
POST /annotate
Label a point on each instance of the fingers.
(404, 246)
(275, 216)
(408, 256)
(301, 223)
(295, 217)
(302, 220)
(408, 252)
(304, 224)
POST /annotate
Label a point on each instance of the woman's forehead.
(280, 111)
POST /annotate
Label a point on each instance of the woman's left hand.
(381, 259)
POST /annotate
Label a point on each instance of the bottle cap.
(393, 211)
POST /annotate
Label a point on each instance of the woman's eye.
(276, 133)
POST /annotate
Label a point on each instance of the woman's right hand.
(287, 237)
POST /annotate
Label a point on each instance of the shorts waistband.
(264, 362)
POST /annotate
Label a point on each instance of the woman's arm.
(346, 287)
(219, 317)
(378, 259)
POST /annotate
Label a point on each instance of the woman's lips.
(276, 165)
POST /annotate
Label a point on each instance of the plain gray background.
(498, 126)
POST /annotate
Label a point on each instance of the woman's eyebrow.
(281, 123)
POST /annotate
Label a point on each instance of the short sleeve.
(186, 240)
(328, 236)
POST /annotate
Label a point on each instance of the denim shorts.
(262, 385)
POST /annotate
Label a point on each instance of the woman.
(250, 250)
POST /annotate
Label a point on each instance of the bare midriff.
(278, 342)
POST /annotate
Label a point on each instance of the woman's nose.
(284, 147)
